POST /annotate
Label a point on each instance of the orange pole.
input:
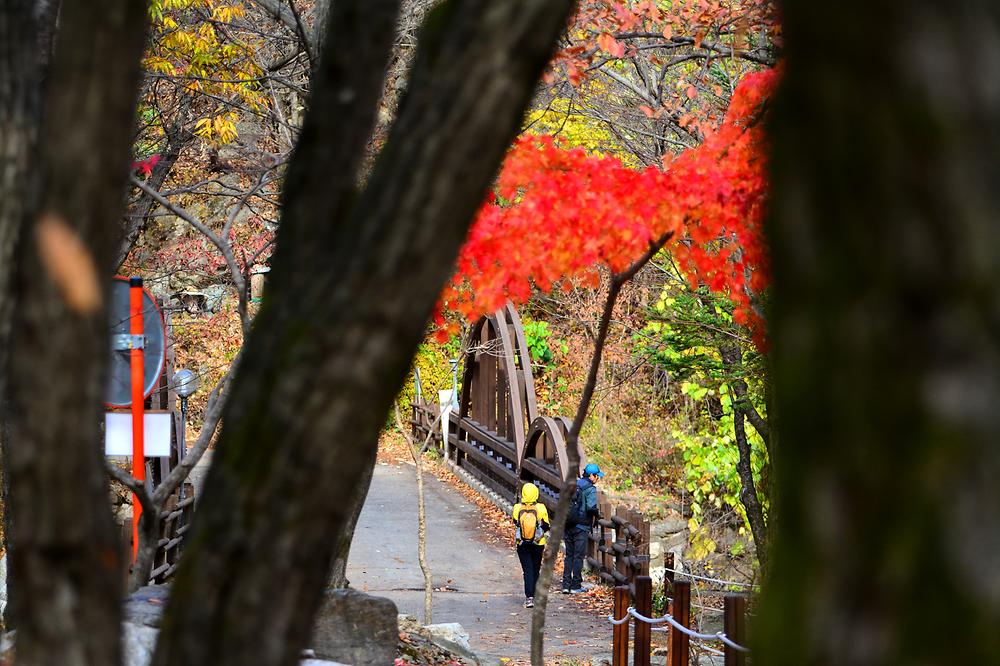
(138, 445)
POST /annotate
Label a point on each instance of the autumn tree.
(587, 212)
(647, 80)
(355, 276)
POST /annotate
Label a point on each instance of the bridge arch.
(498, 430)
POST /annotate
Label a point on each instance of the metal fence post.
(619, 644)
(735, 628)
(679, 641)
(644, 606)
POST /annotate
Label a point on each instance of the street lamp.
(185, 384)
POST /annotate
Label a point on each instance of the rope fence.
(719, 635)
(707, 579)
(682, 638)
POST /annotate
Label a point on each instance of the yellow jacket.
(529, 500)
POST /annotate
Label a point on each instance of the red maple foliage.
(558, 214)
(145, 167)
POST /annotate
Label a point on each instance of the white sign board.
(118, 434)
(444, 398)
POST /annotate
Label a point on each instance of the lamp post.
(454, 383)
(185, 383)
(454, 408)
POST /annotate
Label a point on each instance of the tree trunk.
(20, 112)
(342, 549)
(64, 547)
(886, 258)
(732, 360)
(418, 462)
(354, 279)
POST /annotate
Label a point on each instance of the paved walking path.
(482, 580)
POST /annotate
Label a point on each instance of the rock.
(138, 644)
(667, 527)
(419, 646)
(145, 606)
(451, 636)
(355, 628)
(7, 647)
(675, 542)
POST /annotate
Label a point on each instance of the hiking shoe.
(565, 590)
(529, 602)
(577, 590)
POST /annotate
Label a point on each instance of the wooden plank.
(526, 381)
(477, 456)
(735, 607)
(489, 437)
(546, 474)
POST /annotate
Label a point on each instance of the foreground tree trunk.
(886, 339)
(65, 564)
(353, 282)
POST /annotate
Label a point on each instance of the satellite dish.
(119, 392)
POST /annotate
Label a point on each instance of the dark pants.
(530, 555)
(576, 549)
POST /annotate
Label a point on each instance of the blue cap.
(592, 468)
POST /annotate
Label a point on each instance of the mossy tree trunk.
(886, 337)
(65, 156)
(354, 278)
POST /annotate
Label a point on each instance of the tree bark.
(418, 462)
(64, 547)
(342, 549)
(732, 360)
(354, 279)
(886, 344)
(20, 112)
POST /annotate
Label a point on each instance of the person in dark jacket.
(578, 528)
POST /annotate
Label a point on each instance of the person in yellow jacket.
(532, 521)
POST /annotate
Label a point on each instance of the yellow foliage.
(185, 44)
(563, 117)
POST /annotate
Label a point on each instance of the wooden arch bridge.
(500, 440)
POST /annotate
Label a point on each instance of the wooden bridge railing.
(619, 546)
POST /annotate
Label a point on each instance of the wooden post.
(620, 539)
(606, 513)
(735, 628)
(668, 582)
(645, 543)
(619, 643)
(644, 606)
(681, 611)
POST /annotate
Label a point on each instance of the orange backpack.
(527, 524)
